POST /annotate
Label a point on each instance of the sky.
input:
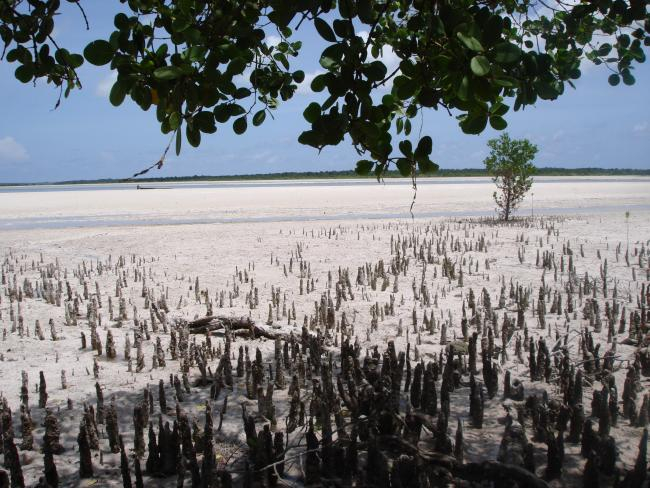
(595, 125)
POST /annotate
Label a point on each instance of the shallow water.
(116, 205)
(474, 180)
(116, 221)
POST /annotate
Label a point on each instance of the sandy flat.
(174, 256)
(316, 199)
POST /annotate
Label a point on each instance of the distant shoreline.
(328, 175)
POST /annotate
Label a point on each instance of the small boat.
(138, 187)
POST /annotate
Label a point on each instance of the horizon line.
(325, 174)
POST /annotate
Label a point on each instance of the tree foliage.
(200, 64)
(510, 163)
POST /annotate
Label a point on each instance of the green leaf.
(438, 26)
(324, 30)
(499, 109)
(628, 79)
(404, 166)
(236, 66)
(193, 135)
(259, 117)
(221, 113)
(379, 170)
(474, 124)
(506, 82)
(623, 40)
(99, 52)
(13, 55)
(480, 65)
(61, 56)
(310, 138)
(426, 166)
(364, 167)
(282, 59)
(240, 125)
(179, 140)
(235, 109)
(604, 49)
(425, 146)
(506, 53)
(179, 24)
(242, 92)
(346, 9)
(428, 97)
(614, 79)
(407, 127)
(492, 29)
(142, 96)
(405, 88)
(498, 123)
(319, 82)
(312, 112)
(174, 120)
(121, 21)
(470, 42)
(375, 71)
(463, 89)
(24, 73)
(196, 54)
(118, 92)
(367, 15)
(545, 90)
(167, 73)
(205, 122)
(75, 60)
(327, 62)
(209, 94)
(298, 76)
(388, 100)
(281, 15)
(406, 148)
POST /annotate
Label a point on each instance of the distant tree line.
(304, 175)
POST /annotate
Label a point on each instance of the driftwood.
(477, 472)
(240, 326)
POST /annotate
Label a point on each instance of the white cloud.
(558, 135)
(273, 40)
(103, 89)
(641, 127)
(12, 151)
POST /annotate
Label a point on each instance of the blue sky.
(87, 138)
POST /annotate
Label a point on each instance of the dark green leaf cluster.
(26, 31)
(201, 63)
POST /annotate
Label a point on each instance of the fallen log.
(487, 470)
(259, 332)
(219, 321)
(499, 473)
(240, 326)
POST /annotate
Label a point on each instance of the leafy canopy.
(199, 64)
(510, 163)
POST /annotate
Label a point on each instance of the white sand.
(316, 200)
(176, 254)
